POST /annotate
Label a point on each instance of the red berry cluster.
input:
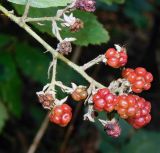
(116, 59)
(142, 116)
(130, 107)
(126, 106)
(61, 115)
(139, 78)
(104, 100)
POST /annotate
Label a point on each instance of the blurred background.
(134, 24)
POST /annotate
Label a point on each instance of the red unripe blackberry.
(103, 92)
(55, 118)
(104, 100)
(110, 53)
(58, 111)
(142, 116)
(139, 84)
(116, 59)
(148, 77)
(126, 72)
(132, 77)
(140, 71)
(147, 86)
(97, 108)
(139, 78)
(100, 103)
(113, 62)
(126, 106)
(66, 108)
(61, 115)
(66, 117)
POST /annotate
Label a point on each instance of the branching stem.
(49, 48)
(62, 86)
(93, 62)
(26, 11)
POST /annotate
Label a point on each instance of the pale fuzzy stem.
(53, 81)
(62, 86)
(93, 62)
(39, 19)
(26, 11)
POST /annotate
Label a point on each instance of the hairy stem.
(26, 11)
(62, 86)
(53, 81)
(49, 48)
(39, 19)
(93, 62)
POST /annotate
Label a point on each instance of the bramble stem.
(53, 81)
(49, 48)
(62, 86)
(39, 19)
(26, 10)
(93, 62)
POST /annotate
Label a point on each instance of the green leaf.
(42, 3)
(10, 84)
(92, 33)
(143, 142)
(3, 116)
(33, 62)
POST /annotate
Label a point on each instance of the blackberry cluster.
(116, 59)
(134, 109)
(142, 116)
(61, 115)
(104, 100)
(126, 106)
(139, 78)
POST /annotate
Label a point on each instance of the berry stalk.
(93, 62)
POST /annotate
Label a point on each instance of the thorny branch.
(56, 56)
(49, 48)
(91, 63)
